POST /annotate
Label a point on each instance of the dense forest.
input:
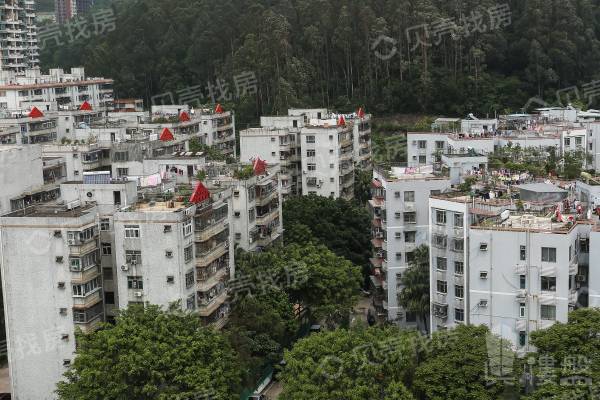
(441, 57)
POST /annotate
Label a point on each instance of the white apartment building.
(171, 252)
(67, 90)
(52, 284)
(399, 226)
(327, 152)
(256, 206)
(515, 272)
(275, 146)
(22, 178)
(19, 42)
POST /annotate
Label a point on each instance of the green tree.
(152, 354)
(456, 365)
(357, 364)
(414, 296)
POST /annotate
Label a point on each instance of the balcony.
(267, 197)
(574, 266)
(88, 300)
(265, 219)
(207, 308)
(211, 230)
(204, 259)
(266, 240)
(77, 248)
(573, 297)
(86, 275)
(203, 285)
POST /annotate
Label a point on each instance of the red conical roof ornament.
(166, 135)
(361, 113)
(184, 117)
(219, 109)
(259, 166)
(341, 121)
(35, 113)
(200, 194)
(85, 106)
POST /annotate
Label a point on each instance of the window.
(422, 159)
(191, 302)
(310, 139)
(548, 312)
(121, 156)
(106, 249)
(311, 167)
(548, 283)
(310, 153)
(410, 217)
(189, 279)
(441, 263)
(104, 224)
(273, 139)
(397, 214)
(133, 257)
(410, 237)
(522, 282)
(398, 235)
(84, 289)
(522, 338)
(422, 144)
(459, 314)
(578, 141)
(459, 245)
(135, 282)
(409, 197)
(188, 254)
(410, 257)
(122, 172)
(458, 220)
(187, 228)
(435, 192)
(411, 316)
(459, 291)
(567, 141)
(522, 253)
(440, 217)
(459, 267)
(398, 256)
(132, 231)
(442, 286)
(109, 297)
(522, 308)
(107, 274)
(439, 241)
(548, 254)
(439, 145)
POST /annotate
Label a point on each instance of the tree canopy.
(152, 354)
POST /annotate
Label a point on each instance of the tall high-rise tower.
(18, 36)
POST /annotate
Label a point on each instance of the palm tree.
(415, 294)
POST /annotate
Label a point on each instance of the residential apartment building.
(399, 226)
(513, 271)
(256, 205)
(327, 151)
(66, 90)
(18, 42)
(52, 284)
(65, 10)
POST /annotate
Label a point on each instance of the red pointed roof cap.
(361, 113)
(85, 106)
(35, 113)
(200, 194)
(219, 109)
(341, 121)
(184, 117)
(166, 135)
(259, 166)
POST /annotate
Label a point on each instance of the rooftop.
(541, 188)
(157, 206)
(73, 210)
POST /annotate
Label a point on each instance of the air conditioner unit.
(66, 363)
(483, 274)
(65, 336)
(61, 285)
(133, 262)
(169, 254)
(125, 267)
(62, 311)
(138, 294)
(71, 242)
(483, 303)
(57, 234)
(483, 246)
(59, 259)
(170, 279)
(579, 278)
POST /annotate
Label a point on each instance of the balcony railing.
(207, 308)
(77, 248)
(88, 300)
(205, 258)
(86, 275)
(268, 217)
(203, 285)
(215, 228)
